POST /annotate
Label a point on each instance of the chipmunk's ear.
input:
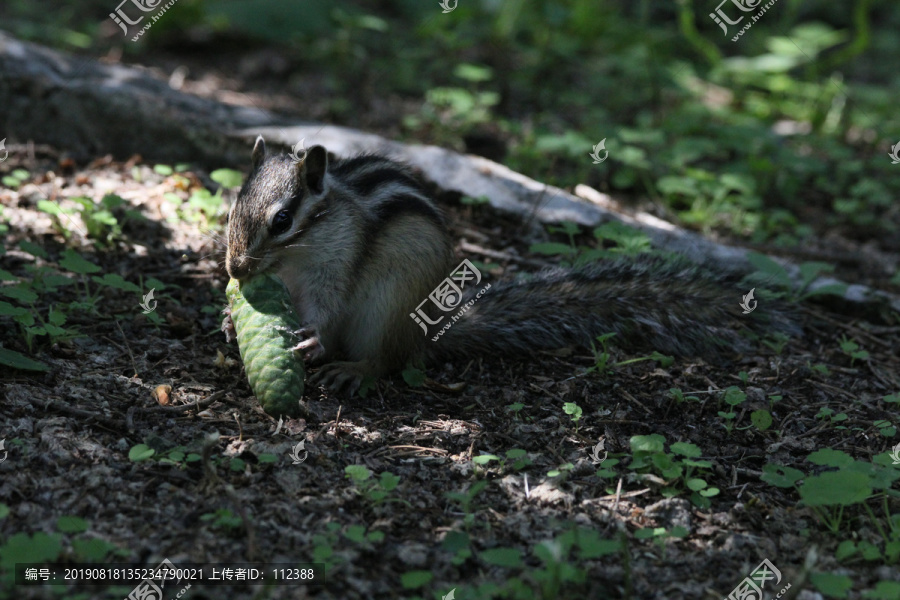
(313, 169)
(259, 152)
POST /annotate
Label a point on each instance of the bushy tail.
(649, 302)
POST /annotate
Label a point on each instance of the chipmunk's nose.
(238, 267)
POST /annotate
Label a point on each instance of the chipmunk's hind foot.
(342, 376)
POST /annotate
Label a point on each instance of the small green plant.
(606, 468)
(850, 551)
(679, 470)
(776, 341)
(179, 456)
(374, 490)
(558, 249)
(466, 500)
(17, 360)
(412, 580)
(660, 534)
(16, 178)
(51, 327)
(75, 263)
(515, 408)
(223, 519)
(140, 453)
(770, 271)
(601, 357)
(663, 359)
(358, 534)
(458, 544)
(865, 200)
(885, 428)
(852, 483)
(561, 571)
(324, 544)
(679, 396)
(34, 322)
(57, 214)
(41, 547)
(159, 289)
(101, 219)
(828, 413)
(204, 207)
(832, 585)
(47, 324)
(102, 225)
(851, 349)
(413, 376)
(22, 547)
(883, 590)
(628, 241)
(227, 178)
(707, 199)
(562, 471)
(71, 524)
(483, 459)
(558, 570)
(819, 368)
(518, 457)
(86, 548)
(733, 397)
(761, 419)
(447, 111)
(574, 411)
(367, 384)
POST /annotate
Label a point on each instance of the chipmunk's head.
(280, 199)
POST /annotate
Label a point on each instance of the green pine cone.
(264, 322)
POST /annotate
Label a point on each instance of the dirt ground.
(69, 431)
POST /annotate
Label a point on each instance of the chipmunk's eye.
(281, 222)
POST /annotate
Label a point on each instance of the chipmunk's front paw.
(310, 345)
(338, 376)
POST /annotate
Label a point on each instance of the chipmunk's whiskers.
(214, 237)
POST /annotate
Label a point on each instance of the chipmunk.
(359, 245)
